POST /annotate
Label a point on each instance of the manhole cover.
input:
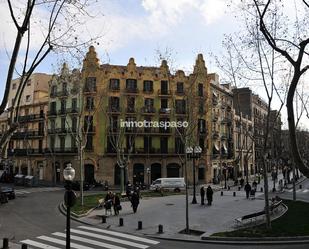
(169, 204)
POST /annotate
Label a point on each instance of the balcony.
(148, 91)
(113, 109)
(223, 136)
(30, 118)
(214, 101)
(130, 110)
(52, 113)
(166, 111)
(89, 90)
(148, 110)
(61, 150)
(25, 152)
(28, 134)
(131, 91)
(215, 134)
(164, 93)
(180, 93)
(63, 94)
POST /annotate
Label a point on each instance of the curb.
(297, 183)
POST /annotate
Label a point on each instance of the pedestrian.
(242, 181)
(116, 204)
(108, 201)
(247, 189)
(128, 190)
(254, 185)
(202, 192)
(209, 194)
(135, 201)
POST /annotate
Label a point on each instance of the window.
(62, 143)
(201, 126)
(130, 104)
(91, 84)
(89, 143)
(26, 111)
(200, 90)
(29, 82)
(63, 123)
(114, 104)
(149, 102)
(164, 87)
(74, 124)
(164, 145)
(131, 85)
(28, 98)
(52, 142)
(130, 120)
(52, 124)
(63, 105)
(201, 108)
(164, 103)
(179, 146)
(53, 91)
(53, 107)
(88, 123)
(14, 86)
(148, 86)
(113, 123)
(180, 106)
(147, 144)
(114, 84)
(13, 101)
(64, 87)
(89, 103)
(179, 87)
(74, 104)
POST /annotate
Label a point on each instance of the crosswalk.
(25, 191)
(86, 237)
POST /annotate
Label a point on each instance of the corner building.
(137, 93)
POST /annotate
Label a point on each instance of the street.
(34, 218)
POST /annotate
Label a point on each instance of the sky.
(138, 28)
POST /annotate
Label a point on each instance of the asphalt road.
(36, 214)
(301, 194)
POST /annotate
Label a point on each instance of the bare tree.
(59, 30)
(294, 48)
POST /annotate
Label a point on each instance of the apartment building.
(222, 162)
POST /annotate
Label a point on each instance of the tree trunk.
(267, 213)
(81, 175)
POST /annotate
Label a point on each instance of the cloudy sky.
(137, 28)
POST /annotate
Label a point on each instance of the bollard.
(24, 246)
(160, 229)
(238, 188)
(103, 219)
(5, 243)
(228, 188)
(140, 225)
(120, 222)
(234, 193)
(300, 186)
(221, 193)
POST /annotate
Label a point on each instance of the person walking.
(135, 201)
(242, 181)
(247, 189)
(202, 192)
(108, 201)
(116, 204)
(209, 195)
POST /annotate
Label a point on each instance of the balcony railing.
(65, 150)
(92, 89)
(25, 152)
(164, 92)
(165, 111)
(52, 113)
(27, 134)
(148, 110)
(113, 109)
(30, 118)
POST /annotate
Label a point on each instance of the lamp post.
(194, 153)
(69, 198)
(274, 177)
(148, 177)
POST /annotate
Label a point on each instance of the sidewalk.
(170, 212)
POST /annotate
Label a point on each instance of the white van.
(174, 184)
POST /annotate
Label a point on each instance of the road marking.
(89, 241)
(123, 235)
(63, 242)
(22, 192)
(38, 244)
(120, 241)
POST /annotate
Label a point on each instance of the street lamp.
(148, 177)
(194, 153)
(69, 198)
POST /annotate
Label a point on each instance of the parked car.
(6, 193)
(175, 184)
